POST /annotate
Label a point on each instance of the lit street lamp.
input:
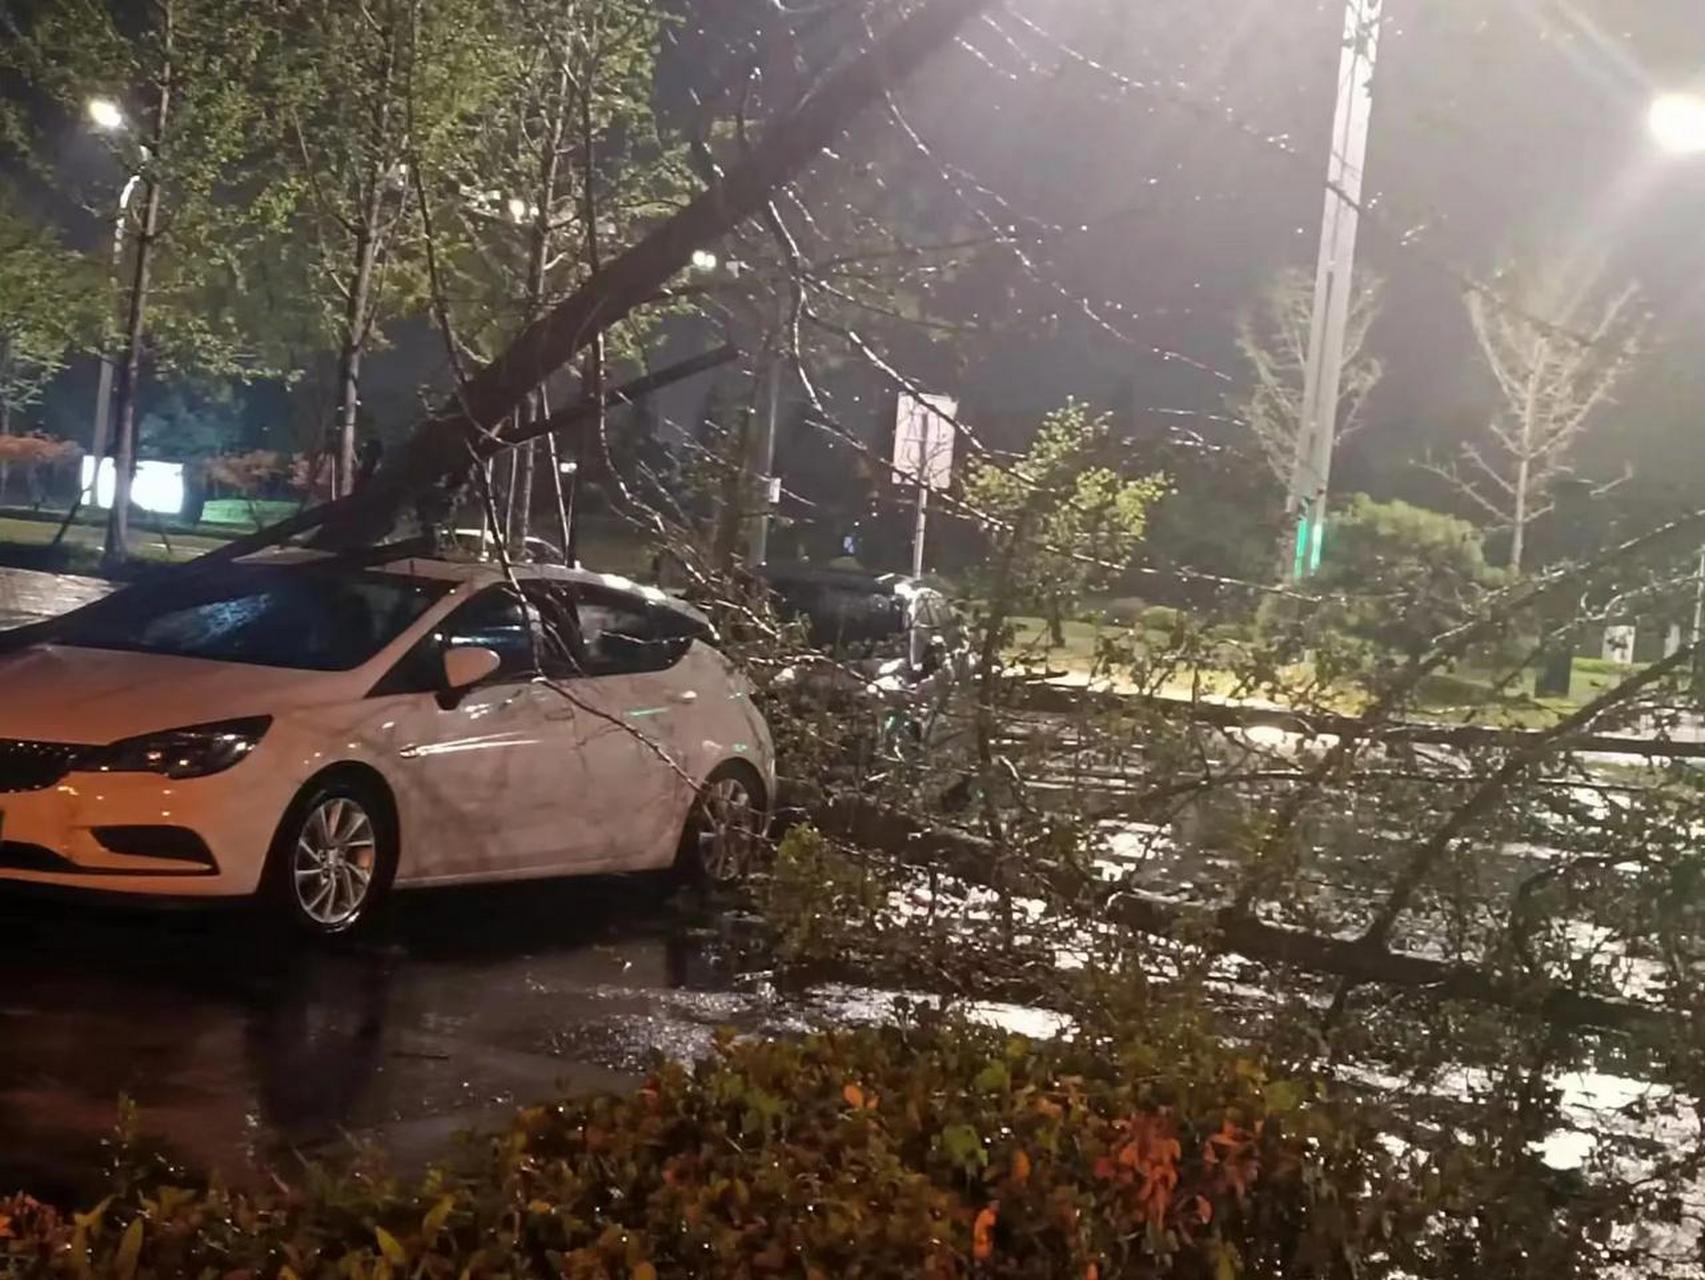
(106, 115)
(1677, 125)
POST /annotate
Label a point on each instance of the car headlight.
(192, 752)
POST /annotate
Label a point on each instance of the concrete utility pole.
(1306, 502)
(768, 484)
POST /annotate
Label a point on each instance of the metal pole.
(758, 548)
(1699, 598)
(918, 529)
(102, 431)
(1306, 502)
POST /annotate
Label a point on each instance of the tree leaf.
(963, 1146)
(1020, 1166)
(436, 1217)
(129, 1250)
(390, 1246)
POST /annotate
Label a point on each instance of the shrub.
(933, 1150)
(1396, 577)
(1160, 619)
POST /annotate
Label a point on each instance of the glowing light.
(517, 208)
(704, 260)
(1677, 122)
(105, 114)
(157, 487)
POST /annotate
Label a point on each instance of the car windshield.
(304, 617)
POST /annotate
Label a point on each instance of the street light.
(1677, 123)
(106, 114)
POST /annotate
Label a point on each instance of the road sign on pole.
(923, 454)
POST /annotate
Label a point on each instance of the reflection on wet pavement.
(241, 1047)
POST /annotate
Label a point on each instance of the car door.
(628, 715)
(482, 772)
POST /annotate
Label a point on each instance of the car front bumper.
(88, 832)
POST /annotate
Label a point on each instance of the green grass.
(1463, 693)
(146, 543)
(246, 515)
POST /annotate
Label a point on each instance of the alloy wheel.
(334, 861)
(729, 831)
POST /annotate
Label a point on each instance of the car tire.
(726, 827)
(333, 858)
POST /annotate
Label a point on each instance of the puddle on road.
(242, 1051)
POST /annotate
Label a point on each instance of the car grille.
(34, 766)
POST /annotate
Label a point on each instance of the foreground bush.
(938, 1152)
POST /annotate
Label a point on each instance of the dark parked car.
(853, 614)
(893, 647)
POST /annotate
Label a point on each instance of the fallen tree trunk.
(468, 428)
(972, 858)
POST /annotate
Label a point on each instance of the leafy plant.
(938, 1149)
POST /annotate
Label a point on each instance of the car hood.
(57, 693)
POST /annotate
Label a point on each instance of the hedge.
(937, 1151)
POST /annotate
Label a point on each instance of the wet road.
(240, 1047)
(26, 596)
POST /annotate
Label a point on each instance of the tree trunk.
(439, 450)
(538, 255)
(117, 547)
(1524, 459)
(5, 414)
(1518, 521)
(354, 343)
(1056, 624)
(875, 826)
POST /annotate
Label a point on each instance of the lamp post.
(1323, 373)
(1676, 122)
(105, 115)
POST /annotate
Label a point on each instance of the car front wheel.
(333, 858)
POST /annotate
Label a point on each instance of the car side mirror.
(464, 667)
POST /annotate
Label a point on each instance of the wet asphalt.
(244, 1050)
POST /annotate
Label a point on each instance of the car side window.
(494, 619)
(561, 652)
(623, 634)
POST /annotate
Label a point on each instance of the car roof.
(800, 575)
(483, 572)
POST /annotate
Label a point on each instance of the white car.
(317, 733)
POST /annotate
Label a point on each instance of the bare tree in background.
(1553, 377)
(1273, 337)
